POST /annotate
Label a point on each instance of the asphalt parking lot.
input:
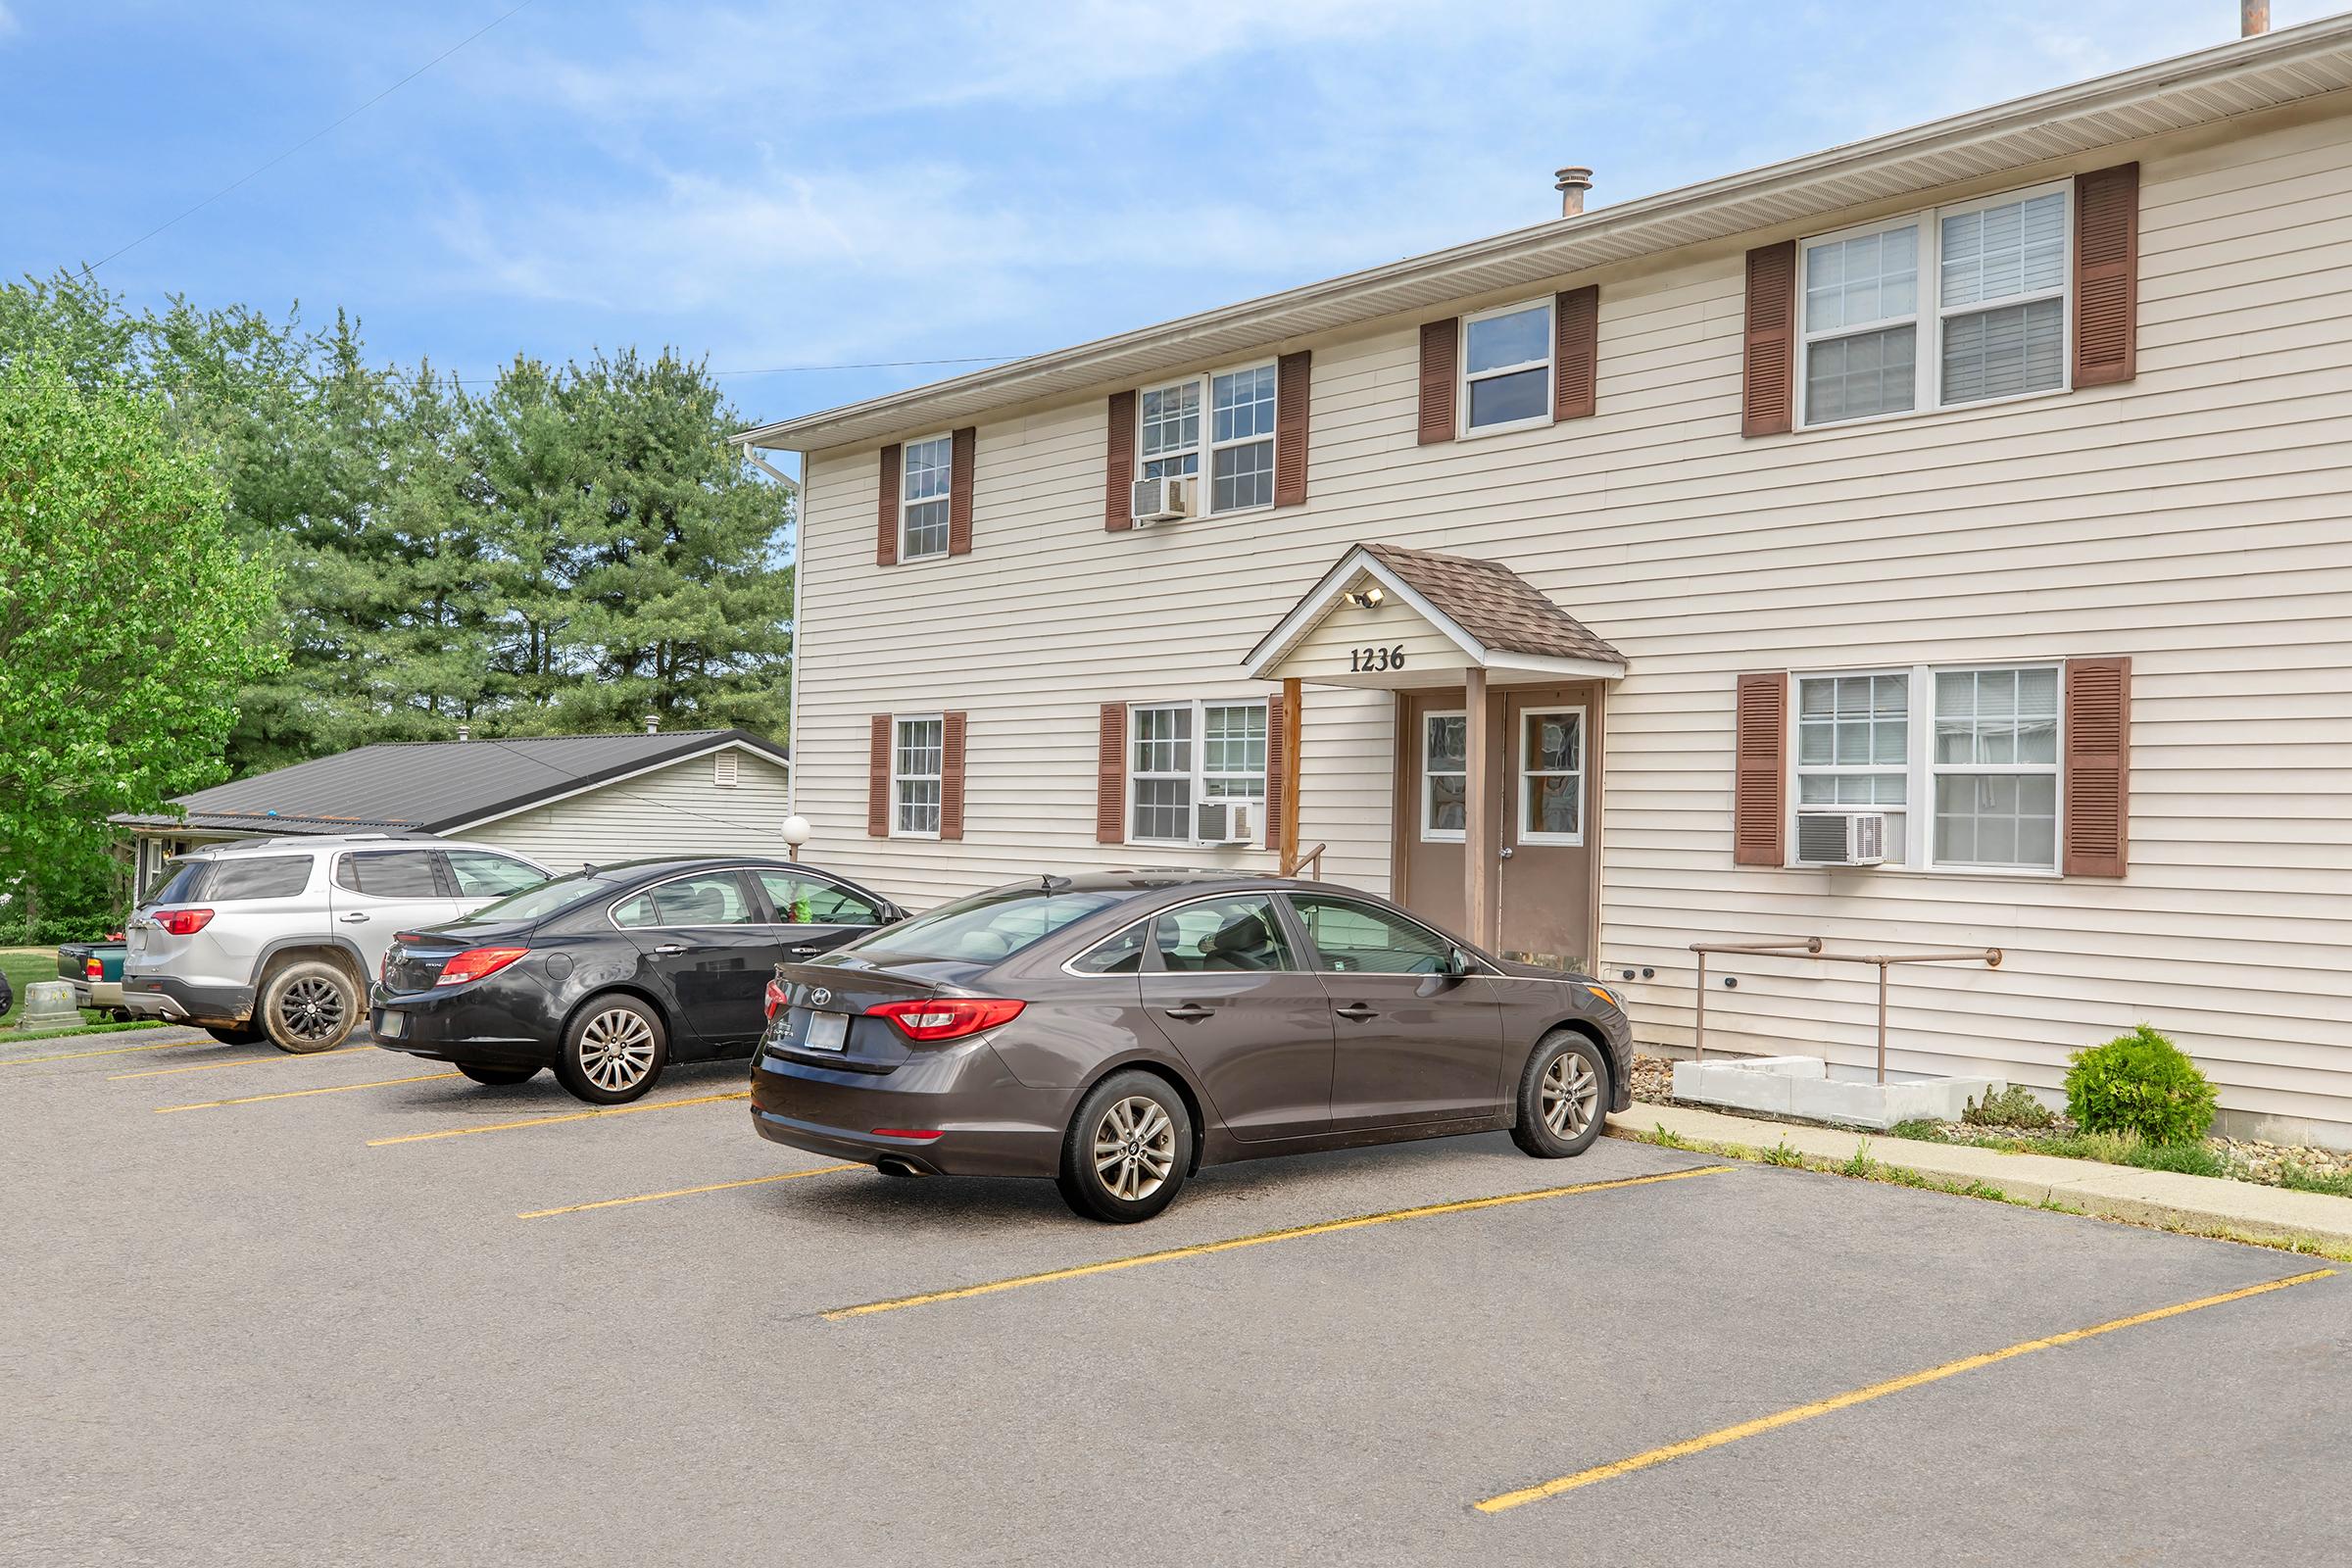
(350, 1309)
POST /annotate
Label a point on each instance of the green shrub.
(1920, 1129)
(2190, 1159)
(2013, 1106)
(2141, 1083)
(2294, 1176)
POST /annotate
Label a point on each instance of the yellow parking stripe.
(549, 1122)
(1875, 1391)
(111, 1050)
(302, 1094)
(1287, 1234)
(241, 1061)
(689, 1192)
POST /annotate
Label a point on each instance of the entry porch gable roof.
(1495, 618)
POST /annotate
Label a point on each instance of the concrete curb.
(2203, 1205)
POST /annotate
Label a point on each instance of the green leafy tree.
(129, 622)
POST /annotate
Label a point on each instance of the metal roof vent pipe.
(653, 723)
(1572, 183)
(2253, 18)
(465, 732)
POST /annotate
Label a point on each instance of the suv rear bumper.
(165, 997)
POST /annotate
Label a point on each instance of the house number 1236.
(1361, 659)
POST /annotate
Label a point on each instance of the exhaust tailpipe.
(891, 1166)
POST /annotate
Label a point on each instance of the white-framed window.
(1956, 304)
(1183, 753)
(1444, 776)
(926, 475)
(1551, 776)
(915, 752)
(1853, 747)
(1963, 761)
(1223, 422)
(1506, 368)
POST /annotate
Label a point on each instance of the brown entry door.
(1548, 758)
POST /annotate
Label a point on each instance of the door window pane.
(1551, 774)
(710, 897)
(807, 901)
(1222, 935)
(389, 874)
(1445, 789)
(1352, 938)
(490, 876)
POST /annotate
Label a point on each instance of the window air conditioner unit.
(1841, 838)
(1225, 821)
(1163, 500)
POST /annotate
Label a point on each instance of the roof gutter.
(2243, 76)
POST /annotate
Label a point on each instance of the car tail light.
(183, 922)
(475, 963)
(921, 1134)
(772, 1000)
(93, 968)
(947, 1018)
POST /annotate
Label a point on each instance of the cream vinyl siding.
(2194, 520)
(678, 809)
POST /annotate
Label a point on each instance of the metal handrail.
(1811, 947)
(1307, 857)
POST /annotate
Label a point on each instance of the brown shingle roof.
(1493, 604)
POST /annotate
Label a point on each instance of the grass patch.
(25, 966)
(2296, 1177)
(1782, 1154)
(1666, 1139)
(1919, 1129)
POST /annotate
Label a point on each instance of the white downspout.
(799, 600)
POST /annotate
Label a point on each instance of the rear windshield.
(175, 883)
(987, 926)
(531, 903)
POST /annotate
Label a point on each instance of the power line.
(90, 267)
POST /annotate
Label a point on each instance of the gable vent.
(722, 768)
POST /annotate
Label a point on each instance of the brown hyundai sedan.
(1118, 1030)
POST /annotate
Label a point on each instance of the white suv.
(279, 938)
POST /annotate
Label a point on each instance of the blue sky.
(792, 184)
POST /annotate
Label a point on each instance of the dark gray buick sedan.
(1118, 1030)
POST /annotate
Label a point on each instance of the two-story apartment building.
(1596, 587)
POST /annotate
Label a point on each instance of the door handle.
(668, 949)
(803, 951)
(355, 917)
(1358, 1011)
(1507, 852)
(1190, 1012)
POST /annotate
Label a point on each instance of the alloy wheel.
(1571, 1094)
(1135, 1149)
(312, 1008)
(616, 1050)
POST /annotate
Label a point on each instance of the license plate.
(828, 1031)
(395, 1025)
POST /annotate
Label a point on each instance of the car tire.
(234, 1034)
(309, 1005)
(497, 1075)
(1127, 1151)
(1563, 1097)
(614, 1050)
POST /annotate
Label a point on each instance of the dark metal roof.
(435, 786)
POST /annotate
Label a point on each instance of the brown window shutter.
(951, 776)
(1760, 770)
(2106, 276)
(1118, 463)
(1110, 777)
(1575, 353)
(1275, 772)
(877, 777)
(1441, 355)
(1767, 375)
(2098, 766)
(886, 516)
(1291, 393)
(962, 447)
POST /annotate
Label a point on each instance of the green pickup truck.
(95, 970)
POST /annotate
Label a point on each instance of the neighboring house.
(560, 799)
(1987, 482)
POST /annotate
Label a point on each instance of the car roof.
(1139, 880)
